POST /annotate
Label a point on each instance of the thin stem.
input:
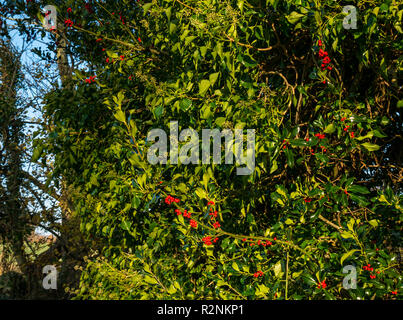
(286, 277)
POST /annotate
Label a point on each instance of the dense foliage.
(326, 189)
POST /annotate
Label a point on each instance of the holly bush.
(326, 189)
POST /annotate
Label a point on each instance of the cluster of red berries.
(320, 135)
(324, 56)
(208, 242)
(216, 225)
(369, 268)
(346, 128)
(90, 79)
(307, 200)
(286, 143)
(394, 292)
(213, 214)
(68, 23)
(169, 199)
(258, 274)
(193, 223)
(186, 214)
(322, 284)
(259, 242)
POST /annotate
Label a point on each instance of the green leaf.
(382, 198)
(204, 85)
(147, 6)
(294, 17)
(347, 235)
(159, 111)
(358, 189)
(213, 78)
(330, 128)
(369, 135)
(172, 27)
(189, 39)
(289, 221)
(274, 166)
(168, 12)
(150, 280)
(37, 153)
(135, 202)
(249, 62)
(298, 142)
(185, 104)
(126, 225)
(220, 121)
(88, 226)
(202, 194)
(347, 254)
(374, 223)
(370, 146)
(290, 157)
(120, 115)
(277, 270)
(235, 266)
